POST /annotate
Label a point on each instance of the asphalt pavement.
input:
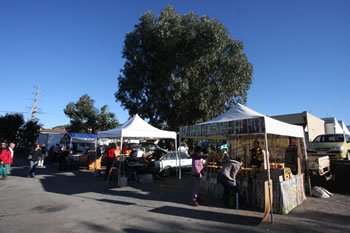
(78, 201)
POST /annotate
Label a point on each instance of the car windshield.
(329, 138)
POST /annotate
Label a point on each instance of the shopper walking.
(111, 155)
(227, 177)
(197, 168)
(34, 160)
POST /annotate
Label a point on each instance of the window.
(329, 138)
(347, 137)
(317, 139)
(183, 156)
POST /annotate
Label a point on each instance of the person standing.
(2, 146)
(258, 155)
(227, 177)
(43, 155)
(34, 160)
(57, 153)
(197, 168)
(111, 155)
(292, 156)
(63, 158)
(10, 148)
(5, 160)
(99, 152)
(51, 154)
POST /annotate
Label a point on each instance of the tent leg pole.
(268, 175)
(307, 169)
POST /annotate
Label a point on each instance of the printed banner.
(246, 126)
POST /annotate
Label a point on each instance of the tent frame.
(149, 132)
(240, 112)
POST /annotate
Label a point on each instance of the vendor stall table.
(134, 168)
(287, 194)
(77, 160)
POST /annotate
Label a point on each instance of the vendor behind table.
(215, 154)
(258, 155)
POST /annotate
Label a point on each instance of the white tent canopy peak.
(136, 127)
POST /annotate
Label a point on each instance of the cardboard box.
(317, 163)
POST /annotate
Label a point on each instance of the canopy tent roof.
(81, 137)
(136, 127)
(241, 120)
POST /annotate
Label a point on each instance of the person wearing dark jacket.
(227, 177)
(35, 155)
(63, 162)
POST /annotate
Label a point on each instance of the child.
(197, 167)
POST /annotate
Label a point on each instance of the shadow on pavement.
(208, 215)
(169, 189)
(115, 202)
(98, 227)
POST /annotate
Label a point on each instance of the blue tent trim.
(82, 135)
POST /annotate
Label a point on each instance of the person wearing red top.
(5, 160)
(111, 154)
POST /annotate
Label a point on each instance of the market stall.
(137, 128)
(83, 147)
(241, 127)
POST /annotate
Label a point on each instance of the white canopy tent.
(272, 126)
(243, 120)
(137, 128)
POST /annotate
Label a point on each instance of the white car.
(169, 162)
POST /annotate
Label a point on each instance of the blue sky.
(300, 51)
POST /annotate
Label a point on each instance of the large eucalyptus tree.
(182, 69)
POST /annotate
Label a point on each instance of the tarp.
(345, 128)
(81, 137)
(49, 139)
(332, 126)
(136, 127)
(241, 120)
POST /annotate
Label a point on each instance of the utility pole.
(34, 110)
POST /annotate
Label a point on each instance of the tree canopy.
(9, 127)
(29, 133)
(86, 118)
(182, 69)
(13, 128)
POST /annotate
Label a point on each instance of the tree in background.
(86, 118)
(182, 70)
(29, 134)
(13, 128)
(9, 127)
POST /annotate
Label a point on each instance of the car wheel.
(347, 156)
(166, 171)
